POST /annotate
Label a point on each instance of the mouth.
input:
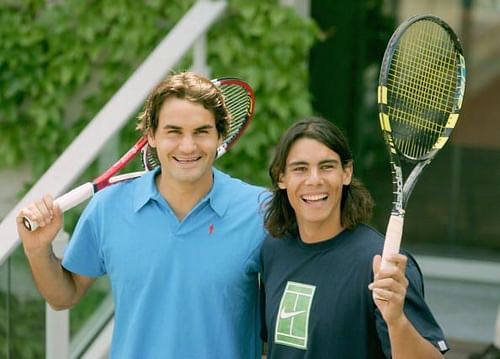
(187, 160)
(314, 198)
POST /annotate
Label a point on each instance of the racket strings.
(422, 87)
(238, 104)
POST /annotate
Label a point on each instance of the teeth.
(315, 197)
(187, 159)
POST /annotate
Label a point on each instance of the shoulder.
(274, 247)
(115, 196)
(367, 238)
(228, 180)
(239, 190)
(116, 191)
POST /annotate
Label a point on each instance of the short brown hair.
(185, 85)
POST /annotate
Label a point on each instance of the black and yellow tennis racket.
(420, 93)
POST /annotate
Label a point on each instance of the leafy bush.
(61, 61)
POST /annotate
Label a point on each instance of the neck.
(315, 233)
(183, 196)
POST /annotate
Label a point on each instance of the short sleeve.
(82, 255)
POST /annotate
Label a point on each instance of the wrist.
(39, 252)
(398, 323)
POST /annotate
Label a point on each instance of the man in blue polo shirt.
(183, 272)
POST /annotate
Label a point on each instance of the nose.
(313, 177)
(187, 144)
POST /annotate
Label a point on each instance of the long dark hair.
(356, 203)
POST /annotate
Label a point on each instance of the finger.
(43, 210)
(397, 260)
(386, 272)
(382, 294)
(387, 295)
(377, 260)
(390, 284)
(396, 264)
(40, 212)
(56, 208)
(46, 206)
(391, 278)
(21, 215)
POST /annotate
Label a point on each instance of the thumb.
(376, 264)
(58, 213)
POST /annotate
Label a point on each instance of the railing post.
(57, 322)
(57, 337)
(200, 54)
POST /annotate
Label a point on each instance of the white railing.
(113, 116)
(188, 33)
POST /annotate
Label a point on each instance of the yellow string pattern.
(422, 87)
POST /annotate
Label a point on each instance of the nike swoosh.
(286, 315)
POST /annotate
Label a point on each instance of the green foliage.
(60, 62)
(22, 328)
(267, 45)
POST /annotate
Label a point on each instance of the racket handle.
(393, 236)
(66, 202)
(392, 242)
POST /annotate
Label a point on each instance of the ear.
(348, 170)
(281, 184)
(151, 139)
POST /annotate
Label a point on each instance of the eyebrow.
(302, 163)
(174, 127)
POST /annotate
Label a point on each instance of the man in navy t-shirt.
(321, 266)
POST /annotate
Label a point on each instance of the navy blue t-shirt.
(317, 301)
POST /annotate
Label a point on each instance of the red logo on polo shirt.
(211, 228)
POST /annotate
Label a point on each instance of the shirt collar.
(218, 197)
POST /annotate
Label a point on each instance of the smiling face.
(313, 180)
(186, 142)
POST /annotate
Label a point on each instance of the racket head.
(239, 100)
(421, 87)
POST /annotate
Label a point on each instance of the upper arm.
(80, 285)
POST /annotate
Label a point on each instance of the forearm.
(407, 343)
(54, 283)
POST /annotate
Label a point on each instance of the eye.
(327, 167)
(299, 169)
(202, 132)
(173, 131)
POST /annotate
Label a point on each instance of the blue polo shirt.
(182, 289)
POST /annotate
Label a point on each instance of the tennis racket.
(420, 93)
(240, 102)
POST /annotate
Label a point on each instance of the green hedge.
(61, 63)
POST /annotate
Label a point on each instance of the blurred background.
(63, 61)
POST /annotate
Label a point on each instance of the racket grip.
(393, 237)
(67, 201)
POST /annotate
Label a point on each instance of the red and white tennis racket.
(240, 103)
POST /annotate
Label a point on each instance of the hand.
(49, 219)
(389, 287)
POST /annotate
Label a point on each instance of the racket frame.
(403, 189)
